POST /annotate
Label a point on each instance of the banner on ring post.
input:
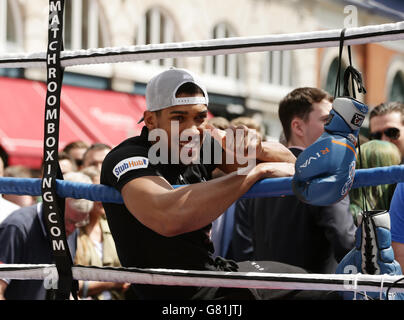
(53, 205)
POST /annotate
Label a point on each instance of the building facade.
(239, 84)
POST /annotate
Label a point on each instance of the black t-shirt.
(136, 244)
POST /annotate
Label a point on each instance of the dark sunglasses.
(392, 133)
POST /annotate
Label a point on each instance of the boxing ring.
(259, 280)
(265, 188)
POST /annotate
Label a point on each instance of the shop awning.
(105, 116)
(22, 104)
(86, 114)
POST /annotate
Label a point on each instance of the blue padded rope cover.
(274, 187)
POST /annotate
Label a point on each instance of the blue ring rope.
(274, 187)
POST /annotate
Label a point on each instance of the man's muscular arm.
(273, 151)
(170, 212)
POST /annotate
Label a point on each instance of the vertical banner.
(53, 206)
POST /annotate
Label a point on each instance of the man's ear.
(150, 120)
(296, 127)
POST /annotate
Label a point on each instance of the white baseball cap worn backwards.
(162, 88)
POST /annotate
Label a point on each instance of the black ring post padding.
(53, 206)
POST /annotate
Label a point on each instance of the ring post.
(53, 205)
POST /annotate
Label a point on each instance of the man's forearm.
(273, 151)
(171, 211)
(195, 206)
(270, 151)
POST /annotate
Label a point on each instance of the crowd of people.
(293, 235)
(23, 232)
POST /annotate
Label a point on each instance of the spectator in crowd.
(95, 154)
(19, 171)
(6, 207)
(219, 122)
(66, 163)
(4, 160)
(362, 138)
(397, 223)
(222, 227)
(386, 122)
(374, 153)
(284, 229)
(76, 150)
(96, 247)
(282, 139)
(24, 240)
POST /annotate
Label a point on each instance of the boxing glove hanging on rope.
(324, 171)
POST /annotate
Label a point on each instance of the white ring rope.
(258, 280)
(292, 41)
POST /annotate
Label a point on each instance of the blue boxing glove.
(372, 253)
(324, 171)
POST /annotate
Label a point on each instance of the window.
(11, 34)
(228, 66)
(332, 78)
(157, 27)
(277, 69)
(86, 81)
(397, 87)
(85, 25)
(10, 26)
